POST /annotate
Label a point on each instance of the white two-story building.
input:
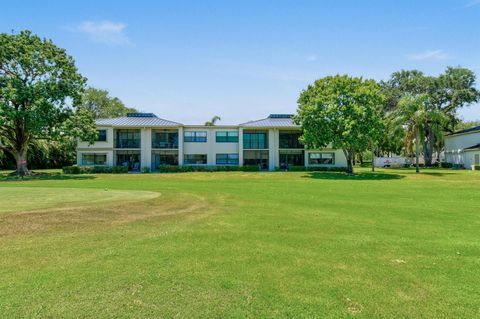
(462, 148)
(145, 140)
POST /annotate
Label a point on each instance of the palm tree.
(414, 114)
(213, 121)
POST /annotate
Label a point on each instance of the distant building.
(463, 147)
(145, 140)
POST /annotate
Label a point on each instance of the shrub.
(326, 169)
(75, 169)
(206, 168)
(477, 167)
(145, 169)
(446, 165)
(119, 169)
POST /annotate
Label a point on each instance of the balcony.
(165, 139)
(127, 139)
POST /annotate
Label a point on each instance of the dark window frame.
(321, 160)
(289, 140)
(164, 139)
(101, 137)
(251, 141)
(194, 136)
(230, 137)
(95, 157)
(228, 158)
(186, 160)
(128, 138)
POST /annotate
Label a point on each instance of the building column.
(271, 149)
(180, 146)
(240, 146)
(146, 148)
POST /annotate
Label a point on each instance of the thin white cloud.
(472, 3)
(312, 58)
(429, 55)
(107, 32)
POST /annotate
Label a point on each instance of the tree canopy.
(40, 90)
(102, 105)
(447, 93)
(213, 121)
(341, 112)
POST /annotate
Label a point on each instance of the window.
(165, 139)
(127, 139)
(255, 140)
(101, 135)
(195, 136)
(227, 137)
(289, 139)
(130, 159)
(256, 158)
(92, 159)
(321, 158)
(195, 159)
(164, 157)
(291, 157)
(227, 159)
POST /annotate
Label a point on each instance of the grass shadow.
(354, 177)
(43, 176)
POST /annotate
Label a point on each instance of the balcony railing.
(127, 143)
(162, 144)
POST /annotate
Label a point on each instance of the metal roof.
(473, 147)
(468, 130)
(137, 119)
(273, 120)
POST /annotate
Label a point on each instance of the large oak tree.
(40, 89)
(342, 112)
(446, 93)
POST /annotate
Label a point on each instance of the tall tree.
(415, 114)
(102, 105)
(341, 112)
(447, 93)
(40, 90)
(213, 121)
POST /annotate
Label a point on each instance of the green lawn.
(213, 245)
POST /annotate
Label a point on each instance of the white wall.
(109, 152)
(340, 159)
(454, 146)
(107, 144)
(146, 147)
(211, 147)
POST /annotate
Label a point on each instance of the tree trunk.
(373, 159)
(417, 150)
(21, 160)
(360, 158)
(349, 156)
(428, 150)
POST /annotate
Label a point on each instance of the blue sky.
(189, 60)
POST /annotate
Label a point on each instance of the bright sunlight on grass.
(391, 244)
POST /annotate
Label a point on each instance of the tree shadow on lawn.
(354, 177)
(43, 176)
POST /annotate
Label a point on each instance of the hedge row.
(313, 169)
(95, 169)
(202, 168)
(477, 167)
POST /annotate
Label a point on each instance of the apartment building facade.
(145, 140)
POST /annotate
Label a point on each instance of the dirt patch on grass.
(102, 215)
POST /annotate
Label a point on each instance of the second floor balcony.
(127, 139)
(166, 139)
